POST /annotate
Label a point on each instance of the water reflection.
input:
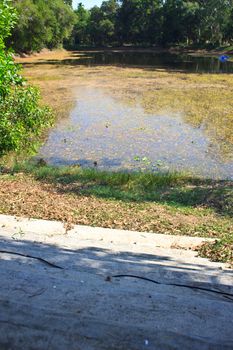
(175, 62)
(101, 131)
(163, 60)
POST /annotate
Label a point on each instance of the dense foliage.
(42, 24)
(21, 118)
(8, 71)
(155, 22)
(51, 23)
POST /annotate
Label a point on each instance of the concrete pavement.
(61, 293)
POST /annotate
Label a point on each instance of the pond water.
(165, 60)
(103, 131)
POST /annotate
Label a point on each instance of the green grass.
(179, 190)
(176, 194)
(136, 184)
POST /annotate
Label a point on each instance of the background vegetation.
(41, 24)
(52, 23)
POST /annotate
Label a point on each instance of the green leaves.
(8, 19)
(42, 24)
(21, 118)
(154, 22)
(9, 72)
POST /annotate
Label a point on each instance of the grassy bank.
(169, 203)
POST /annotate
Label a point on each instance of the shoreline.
(175, 50)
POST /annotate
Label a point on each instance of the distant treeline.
(51, 23)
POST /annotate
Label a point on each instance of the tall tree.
(140, 21)
(102, 25)
(80, 34)
(214, 19)
(41, 24)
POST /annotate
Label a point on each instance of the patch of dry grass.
(82, 202)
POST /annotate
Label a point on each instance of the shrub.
(22, 119)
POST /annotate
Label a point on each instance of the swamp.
(172, 113)
(143, 134)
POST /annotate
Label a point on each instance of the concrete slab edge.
(20, 226)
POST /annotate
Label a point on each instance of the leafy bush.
(9, 72)
(22, 119)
